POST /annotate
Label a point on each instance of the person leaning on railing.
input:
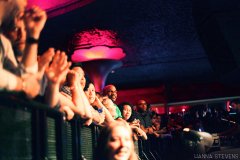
(128, 115)
(9, 80)
(23, 31)
(73, 95)
(101, 114)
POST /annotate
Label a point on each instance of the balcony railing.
(31, 130)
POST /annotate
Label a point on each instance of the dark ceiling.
(166, 41)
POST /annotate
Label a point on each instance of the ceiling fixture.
(99, 51)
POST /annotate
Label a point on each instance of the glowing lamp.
(186, 129)
(99, 52)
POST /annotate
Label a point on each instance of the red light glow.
(95, 37)
(158, 110)
(58, 7)
(100, 52)
(178, 109)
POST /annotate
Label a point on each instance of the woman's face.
(120, 144)
(91, 93)
(127, 112)
(156, 119)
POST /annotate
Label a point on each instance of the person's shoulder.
(7, 46)
(66, 90)
(137, 114)
(149, 113)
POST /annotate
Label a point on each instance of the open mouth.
(91, 98)
(122, 154)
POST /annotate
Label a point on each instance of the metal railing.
(32, 131)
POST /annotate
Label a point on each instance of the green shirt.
(118, 113)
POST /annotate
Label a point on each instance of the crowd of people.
(62, 85)
(51, 79)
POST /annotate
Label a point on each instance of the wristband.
(31, 40)
(100, 110)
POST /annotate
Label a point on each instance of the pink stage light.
(100, 53)
(96, 44)
(97, 53)
(58, 7)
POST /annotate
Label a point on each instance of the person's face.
(10, 8)
(120, 144)
(91, 93)
(142, 105)
(112, 93)
(17, 35)
(82, 75)
(127, 112)
(156, 119)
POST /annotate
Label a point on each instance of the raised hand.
(97, 102)
(58, 69)
(110, 106)
(45, 59)
(141, 133)
(35, 19)
(73, 79)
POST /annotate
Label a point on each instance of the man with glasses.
(12, 81)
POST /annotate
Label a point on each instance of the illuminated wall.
(58, 7)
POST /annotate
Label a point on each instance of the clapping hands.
(56, 72)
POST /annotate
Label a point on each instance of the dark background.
(190, 48)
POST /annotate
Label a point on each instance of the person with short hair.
(111, 92)
(144, 116)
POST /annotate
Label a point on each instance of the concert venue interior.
(181, 56)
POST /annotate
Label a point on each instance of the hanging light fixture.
(99, 51)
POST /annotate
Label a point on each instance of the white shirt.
(7, 79)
